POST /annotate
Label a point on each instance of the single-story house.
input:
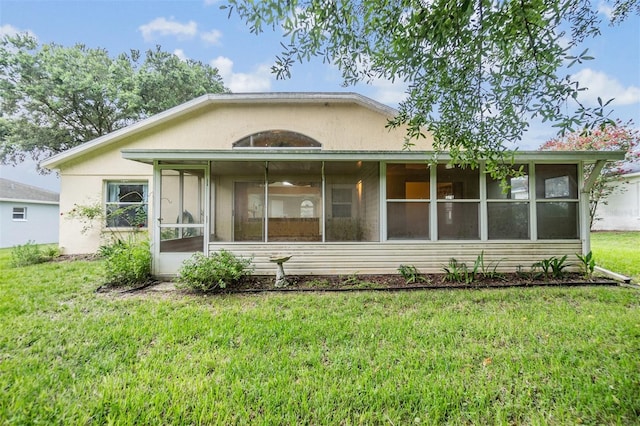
(622, 210)
(318, 176)
(27, 213)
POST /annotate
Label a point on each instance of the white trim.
(23, 214)
(304, 154)
(26, 201)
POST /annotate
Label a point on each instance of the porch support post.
(591, 179)
(585, 203)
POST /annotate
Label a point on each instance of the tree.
(478, 71)
(618, 137)
(54, 98)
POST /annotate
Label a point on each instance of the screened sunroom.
(342, 212)
(320, 177)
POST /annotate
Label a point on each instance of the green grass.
(522, 356)
(618, 252)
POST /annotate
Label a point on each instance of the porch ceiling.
(274, 154)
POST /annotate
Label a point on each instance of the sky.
(200, 30)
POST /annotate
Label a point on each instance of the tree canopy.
(617, 137)
(477, 71)
(53, 98)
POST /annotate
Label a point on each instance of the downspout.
(585, 204)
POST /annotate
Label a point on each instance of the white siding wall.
(385, 258)
(622, 212)
(41, 225)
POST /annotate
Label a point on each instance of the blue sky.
(198, 29)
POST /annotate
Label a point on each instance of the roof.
(15, 191)
(216, 99)
(298, 154)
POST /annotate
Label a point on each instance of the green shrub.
(552, 267)
(26, 254)
(411, 274)
(127, 263)
(587, 263)
(218, 270)
(459, 271)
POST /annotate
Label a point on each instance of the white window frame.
(22, 215)
(107, 202)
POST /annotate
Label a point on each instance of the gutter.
(618, 277)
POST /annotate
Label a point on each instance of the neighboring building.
(27, 214)
(622, 211)
(321, 177)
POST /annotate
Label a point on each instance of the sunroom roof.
(297, 154)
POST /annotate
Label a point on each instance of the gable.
(214, 122)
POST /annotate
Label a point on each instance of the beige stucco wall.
(337, 126)
(81, 236)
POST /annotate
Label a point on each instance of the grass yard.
(516, 356)
(618, 252)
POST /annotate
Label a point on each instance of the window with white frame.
(126, 204)
(557, 201)
(19, 214)
(408, 195)
(458, 203)
(508, 207)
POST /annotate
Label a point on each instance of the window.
(19, 214)
(126, 204)
(277, 139)
(352, 201)
(508, 211)
(289, 185)
(458, 203)
(557, 201)
(408, 195)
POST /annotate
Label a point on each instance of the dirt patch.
(74, 257)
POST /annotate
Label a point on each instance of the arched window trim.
(277, 139)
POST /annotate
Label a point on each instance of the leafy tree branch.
(478, 71)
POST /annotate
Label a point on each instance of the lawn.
(618, 252)
(69, 355)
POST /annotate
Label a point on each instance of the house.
(320, 177)
(27, 214)
(622, 210)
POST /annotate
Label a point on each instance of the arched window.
(306, 209)
(277, 139)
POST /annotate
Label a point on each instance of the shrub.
(26, 254)
(587, 263)
(488, 270)
(127, 263)
(218, 270)
(552, 267)
(459, 272)
(411, 274)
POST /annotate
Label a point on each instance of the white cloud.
(257, 81)
(164, 27)
(211, 37)
(601, 85)
(10, 30)
(180, 54)
(388, 92)
(210, 2)
(605, 9)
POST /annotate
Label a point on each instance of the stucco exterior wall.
(40, 226)
(337, 126)
(81, 236)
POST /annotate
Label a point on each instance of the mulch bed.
(323, 283)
